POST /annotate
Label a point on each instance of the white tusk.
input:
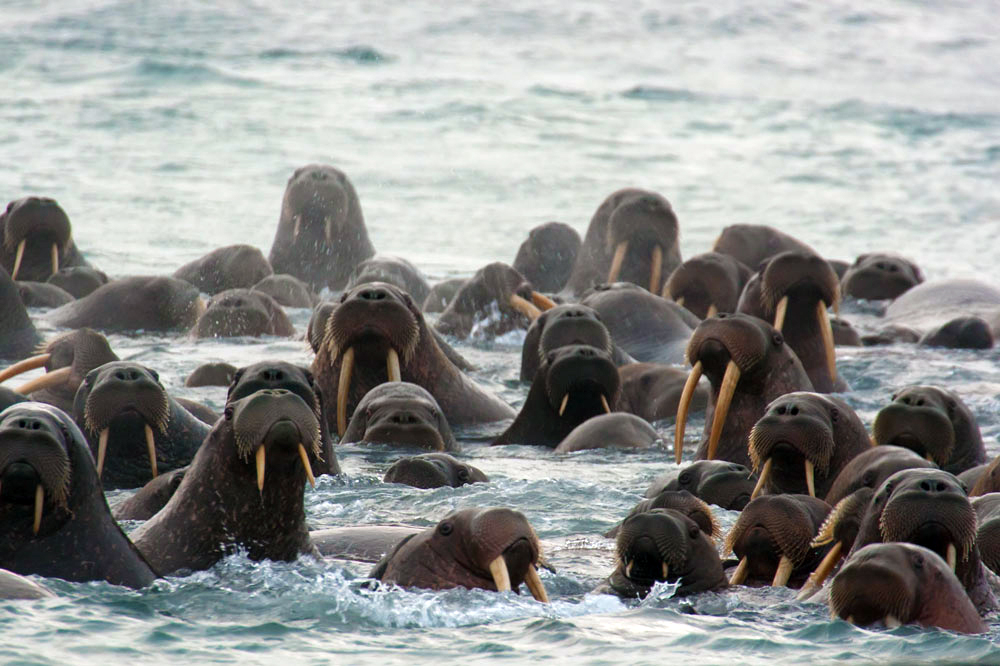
(726, 391)
(102, 449)
(305, 463)
(17, 258)
(39, 505)
(392, 366)
(682, 410)
(343, 388)
(779, 313)
(501, 577)
(765, 474)
(810, 478)
(784, 572)
(617, 261)
(151, 448)
(740, 574)
(534, 583)
(261, 462)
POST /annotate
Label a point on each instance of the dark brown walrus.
(133, 304)
(878, 276)
(244, 489)
(224, 268)
(547, 256)
(36, 239)
(707, 284)
(18, 337)
(870, 468)
(433, 470)
(376, 334)
(242, 312)
(725, 484)
(566, 325)
(750, 244)
(54, 520)
(490, 549)
(401, 414)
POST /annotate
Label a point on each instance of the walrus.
(987, 509)
(879, 276)
(321, 233)
(844, 334)
(960, 333)
(244, 489)
(547, 256)
(870, 468)
(617, 430)
(433, 470)
(43, 295)
(724, 484)
(377, 334)
(676, 500)
(749, 366)
(287, 290)
(664, 545)
(571, 324)
(707, 283)
(392, 270)
(971, 307)
(772, 538)
(9, 397)
(988, 480)
(216, 373)
(135, 430)
(37, 239)
(231, 267)
(793, 291)
(647, 327)
(18, 337)
(751, 244)
(803, 442)
(13, 586)
(400, 414)
(441, 294)
(490, 549)
(149, 499)
(54, 520)
(900, 583)
(242, 312)
(494, 301)
(632, 237)
(573, 384)
(935, 424)
(653, 392)
(79, 281)
(153, 304)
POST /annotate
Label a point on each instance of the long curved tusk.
(48, 380)
(822, 572)
(328, 229)
(826, 330)
(392, 366)
(740, 574)
(656, 272)
(525, 307)
(726, 391)
(682, 410)
(712, 311)
(542, 302)
(617, 261)
(343, 388)
(784, 572)
(23, 366)
(604, 402)
(951, 556)
(765, 474)
(39, 506)
(17, 258)
(810, 478)
(151, 449)
(535, 585)
(562, 406)
(305, 463)
(501, 577)
(680, 301)
(779, 313)
(55, 259)
(261, 465)
(102, 450)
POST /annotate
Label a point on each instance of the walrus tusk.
(501, 577)
(151, 448)
(784, 572)
(604, 402)
(102, 449)
(822, 572)
(951, 556)
(628, 569)
(656, 272)
(682, 410)
(810, 478)
(305, 463)
(666, 570)
(261, 464)
(343, 388)
(542, 302)
(891, 622)
(535, 586)
(740, 574)
(765, 473)
(39, 504)
(55, 259)
(826, 330)
(23, 366)
(712, 311)
(17, 258)
(680, 301)
(48, 380)
(328, 229)
(392, 366)
(525, 307)
(617, 261)
(562, 407)
(779, 313)
(726, 391)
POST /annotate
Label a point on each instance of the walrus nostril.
(372, 295)
(404, 418)
(273, 375)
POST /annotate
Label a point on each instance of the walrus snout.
(642, 232)
(880, 276)
(917, 420)
(573, 325)
(43, 222)
(584, 378)
(875, 586)
(652, 544)
(241, 312)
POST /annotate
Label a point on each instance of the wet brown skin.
(617, 430)
(9, 397)
(287, 290)
(547, 256)
(949, 313)
(442, 294)
(125, 398)
(724, 484)
(653, 391)
(900, 583)
(18, 337)
(751, 244)
(584, 377)
(133, 303)
(988, 535)
(810, 286)
(211, 374)
(230, 267)
(638, 223)
(870, 468)
(458, 550)
(768, 369)
(79, 281)
(321, 233)
(707, 283)
(935, 424)
(776, 527)
(375, 317)
(844, 335)
(392, 270)
(571, 324)
(494, 301)
(929, 507)
(653, 540)
(433, 470)
(149, 499)
(987, 480)
(676, 500)
(77, 539)
(400, 414)
(879, 276)
(41, 224)
(242, 312)
(961, 333)
(806, 434)
(42, 295)
(218, 508)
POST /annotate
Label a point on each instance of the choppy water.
(168, 129)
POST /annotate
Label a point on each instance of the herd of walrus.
(906, 517)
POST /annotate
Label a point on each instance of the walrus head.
(433, 470)
(242, 312)
(580, 381)
(401, 414)
(642, 231)
(67, 359)
(41, 221)
(560, 326)
(725, 484)
(547, 256)
(879, 276)
(707, 284)
(926, 420)
(491, 549)
(677, 500)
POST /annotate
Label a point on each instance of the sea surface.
(167, 129)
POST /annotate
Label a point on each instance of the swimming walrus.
(37, 239)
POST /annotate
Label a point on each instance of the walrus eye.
(693, 531)
(445, 529)
(684, 479)
(463, 474)
(777, 339)
(228, 413)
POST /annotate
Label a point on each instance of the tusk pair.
(262, 464)
(825, 330)
(23, 366)
(822, 572)
(393, 372)
(765, 474)
(525, 307)
(655, 272)
(565, 402)
(102, 449)
(501, 578)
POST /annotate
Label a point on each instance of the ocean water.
(168, 129)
